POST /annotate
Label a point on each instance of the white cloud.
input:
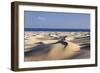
(41, 18)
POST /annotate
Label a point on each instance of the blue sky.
(56, 20)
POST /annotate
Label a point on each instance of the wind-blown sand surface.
(77, 48)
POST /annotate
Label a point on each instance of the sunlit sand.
(57, 51)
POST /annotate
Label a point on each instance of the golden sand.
(57, 52)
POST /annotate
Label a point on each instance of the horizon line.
(50, 29)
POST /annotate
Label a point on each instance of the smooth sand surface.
(57, 52)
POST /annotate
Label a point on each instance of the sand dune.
(57, 52)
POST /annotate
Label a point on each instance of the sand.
(72, 51)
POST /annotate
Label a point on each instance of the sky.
(56, 20)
